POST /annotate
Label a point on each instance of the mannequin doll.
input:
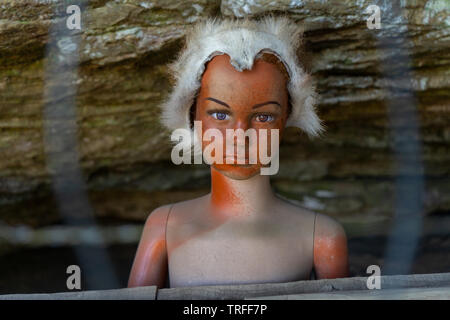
(239, 74)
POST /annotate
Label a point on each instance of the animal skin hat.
(243, 40)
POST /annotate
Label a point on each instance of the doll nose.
(240, 124)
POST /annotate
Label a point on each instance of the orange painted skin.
(150, 262)
(264, 83)
(330, 251)
(238, 192)
(262, 104)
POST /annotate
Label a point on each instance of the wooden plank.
(386, 294)
(221, 292)
(140, 293)
(298, 287)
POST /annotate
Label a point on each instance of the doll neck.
(240, 198)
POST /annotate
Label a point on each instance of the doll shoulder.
(177, 212)
(323, 224)
(330, 248)
(156, 221)
(330, 251)
(328, 228)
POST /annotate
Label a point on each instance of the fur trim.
(243, 40)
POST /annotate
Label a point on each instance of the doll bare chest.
(238, 253)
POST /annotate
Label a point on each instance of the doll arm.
(150, 263)
(330, 249)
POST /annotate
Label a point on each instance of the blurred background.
(381, 90)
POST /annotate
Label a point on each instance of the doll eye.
(220, 115)
(264, 118)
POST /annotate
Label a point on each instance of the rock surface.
(349, 173)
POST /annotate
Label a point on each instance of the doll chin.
(237, 172)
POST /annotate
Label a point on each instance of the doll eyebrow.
(264, 103)
(218, 101)
(254, 107)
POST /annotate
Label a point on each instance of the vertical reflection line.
(60, 142)
(405, 136)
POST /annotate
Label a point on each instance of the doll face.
(251, 99)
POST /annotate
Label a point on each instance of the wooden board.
(141, 293)
(387, 294)
(299, 287)
(420, 286)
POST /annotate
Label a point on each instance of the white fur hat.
(243, 40)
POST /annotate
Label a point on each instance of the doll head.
(227, 69)
(249, 100)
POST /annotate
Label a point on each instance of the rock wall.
(349, 173)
